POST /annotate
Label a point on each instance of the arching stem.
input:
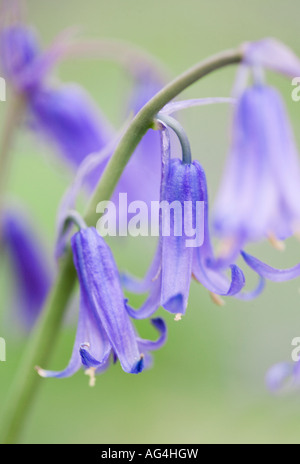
(41, 343)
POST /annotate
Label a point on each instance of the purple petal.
(66, 117)
(152, 281)
(30, 264)
(177, 258)
(151, 304)
(173, 107)
(251, 295)
(101, 288)
(148, 345)
(19, 50)
(274, 55)
(217, 282)
(89, 339)
(204, 269)
(278, 375)
(262, 177)
(270, 273)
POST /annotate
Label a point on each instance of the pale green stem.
(42, 341)
(15, 111)
(181, 134)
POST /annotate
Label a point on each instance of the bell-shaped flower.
(261, 186)
(19, 50)
(68, 120)
(184, 249)
(30, 265)
(104, 327)
(65, 115)
(261, 183)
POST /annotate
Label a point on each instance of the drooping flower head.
(261, 187)
(30, 265)
(184, 249)
(104, 327)
(261, 183)
(19, 51)
(66, 117)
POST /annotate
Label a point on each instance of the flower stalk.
(39, 348)
(14, 114)
(179, 131)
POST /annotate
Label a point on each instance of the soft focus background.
(207, 384)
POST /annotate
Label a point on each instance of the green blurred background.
(207, 384)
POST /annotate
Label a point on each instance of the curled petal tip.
(139, 367)
(159, 324)
(268, 272)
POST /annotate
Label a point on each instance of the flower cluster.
(258, 199)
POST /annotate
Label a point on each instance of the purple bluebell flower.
(30, 265)
(65, 116)
(261, 183)
(19, 50)
(271, 54)
(261, 186)
(68, 120)
(104, 327)
(176, 262)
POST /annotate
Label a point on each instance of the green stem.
(76, 219)
(11, 122)
(42, 342)
(180, 132)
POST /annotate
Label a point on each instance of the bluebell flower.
(176, 262)
(30, 264)
(259, 193)
(273, 55)
(70, 122)
(104, 329)
(261, 186)
(19, 51)
(67, 118)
